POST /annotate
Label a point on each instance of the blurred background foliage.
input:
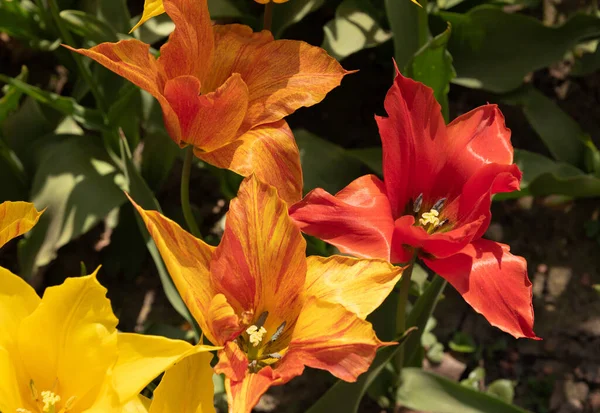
(74, 136)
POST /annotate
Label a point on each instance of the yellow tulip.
(62, 353)
(185, 388)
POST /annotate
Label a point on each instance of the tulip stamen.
(278, 332)
(430, 218)
(439, 204)
(418, 203)
(50, 399)
(256, 334)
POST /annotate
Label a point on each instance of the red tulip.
(434, 202)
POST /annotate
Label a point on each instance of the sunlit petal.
(16, 218)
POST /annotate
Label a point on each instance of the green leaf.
(435, 353)
(324, 164)
(113, 12)
(345, 397)
(158, 155)
(78, 184)
(422, 390)
(354, 28)
(23, 20)
(10, 101)
(90, 118)
(221, 9)
(432, 65)
(403, 17)
(475, 379)
(462, 343)
(503, 389)
(543, 176)
(495, 50)
(14, 179)
(88, 26)
(371, 157)
(561, 134)
(286, 14)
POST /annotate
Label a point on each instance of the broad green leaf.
(345, 397)
(422, 390)
(90, 118)
(503, 389)
(23, 20)
(543, 176)
(220, 9)
(495, 50)
(448, 4)
(588, 61)
(432, 65)
(286, 14)
(324, 164)
(354, 28)
(561, 134)
(371, 157)
(10, 101)
(14, 179)
(78, 184)
(404, 18)
(158, 154)
(114, 12)
(88, 26)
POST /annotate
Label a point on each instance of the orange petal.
(132, 60)
(359, 285)
(329, 337)
(189, 50)
(235, 46)
(269, 152)
(16, 218)
(260, 264)
(187, 259)
(208, 121)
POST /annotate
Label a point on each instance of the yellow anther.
(430, 217)
(49, 399)
(256, 334)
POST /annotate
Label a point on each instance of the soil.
(559, 374)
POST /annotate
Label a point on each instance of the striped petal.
(16, 218)
(269, 152)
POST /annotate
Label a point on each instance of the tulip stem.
(185, 193)
(268, 17)
(401, 311)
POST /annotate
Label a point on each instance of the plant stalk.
(185, 193)
(268, 17)
(401, 310)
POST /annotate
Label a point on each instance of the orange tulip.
(272, 309)
(226, 90)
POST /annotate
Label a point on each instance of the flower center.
(430, 218)
(48, 400)
(256, 334)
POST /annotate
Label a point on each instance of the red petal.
(440, 245)
(357, 220)
(494, 282)
(411, 137)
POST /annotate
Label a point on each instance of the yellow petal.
(260, 264)
(329, 337)
(16, 218)
(140, 404)
(10, 399)
(152, 8)
(17, 301)
(186, 387)
(187, 259)
(360, 285)
(70, 338)
(142, 358)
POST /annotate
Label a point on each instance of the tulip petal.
(16, 218)
(329, 337)
(359, 285)
(140, 404)
(132, 60)
(152, 8)
(17, 301)
(142, 358)
(358, 219)
(260, 264)
(186, 387)
(411, 136)
(269, 152)
(187, 259)
(494, 282)
(10, 398)
(73, 326)
(208, 121)
(244, 395)
(189, 50)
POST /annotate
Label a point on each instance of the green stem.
(423, 21)
(401, 310)
(83, 70)
(185, 193)
(268, 17)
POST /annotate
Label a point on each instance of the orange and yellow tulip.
(226, 90)
(273, 310)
